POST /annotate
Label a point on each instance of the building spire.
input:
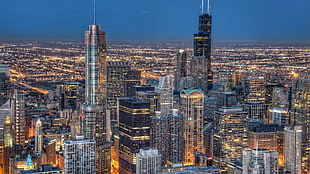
(209, 7)
(94, 12)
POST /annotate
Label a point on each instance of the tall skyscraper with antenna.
(93, 116)
(200, 65)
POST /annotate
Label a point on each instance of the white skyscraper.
(38, 138)
(292, 148)
(80, 156)
(148, 161)
(260, 161)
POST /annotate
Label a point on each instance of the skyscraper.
(260, 161)
(79, 156)
(19, 115)
(191, 107)
(300, 116)
(148, 161)
(117, 71)
(230, 128)
(38, 138)
(181, 70)
(134, 131)
(4, 83)
(94, 119)
(292, 148)
(200, 65)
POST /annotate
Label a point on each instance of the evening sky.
(155, 19)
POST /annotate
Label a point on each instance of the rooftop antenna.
(94, 12)
(209, 7)
(202, 6)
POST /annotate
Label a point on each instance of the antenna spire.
(202, 7)
(94, 12)
(209, 7)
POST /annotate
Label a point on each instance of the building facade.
(80, 156)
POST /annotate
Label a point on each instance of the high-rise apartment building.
(148, 161)
(93, 116)
(292, 148)
(191, 107)
(300, 116)
(38, 139)
(159, 137)
(181, 70)
(175, 138)
(230, 136)
(260, 161)
(80, 156)
(134, 132)
(19, 115)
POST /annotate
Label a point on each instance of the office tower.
(116, 76)
(200, 65)
(255, 89)
(80, 155)
(132, 79)
(175, 138)
(230, 129)
(256, 110)
(280, 97)
(191, 107)
(166, 95)
(152, 97)
(223, 98)
(19, 115)
(134, 131)
(181, 69)
(93, 116)
(38, 138)
(279, 116)
(260, 161)
(300, 116)
(148, 161)
(4, 83)
(159, 137)
(8, 144)
(268, 136)
(292, 148)
(71, 95)
(226, 77)
(43, 169)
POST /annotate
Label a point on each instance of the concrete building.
(292, 148)
(148, 161)
(191, 107)
(230, 136)
(260, 161)
(300, 116)
(268, 136)
(80, 156)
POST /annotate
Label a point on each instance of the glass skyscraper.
(93, 116)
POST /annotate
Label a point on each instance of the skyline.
(155, 20)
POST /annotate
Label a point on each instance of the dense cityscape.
(237, 107)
